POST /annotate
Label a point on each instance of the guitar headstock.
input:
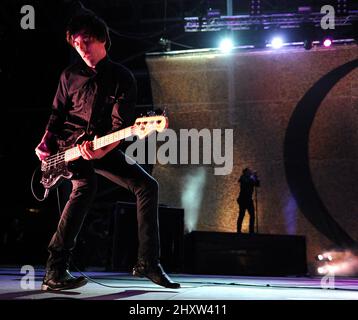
(144, 126)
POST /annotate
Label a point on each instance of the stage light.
(321, 270)
(342, 7)
(327, 43)
(338, 262)
(255, 7)
(277, 42)
(324, 257)
(226, 45)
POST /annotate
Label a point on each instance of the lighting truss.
(245, 22)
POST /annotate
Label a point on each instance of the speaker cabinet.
(244, 254)
(125, 237)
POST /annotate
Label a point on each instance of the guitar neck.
(74, 153)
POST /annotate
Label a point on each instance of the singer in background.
(248, 181)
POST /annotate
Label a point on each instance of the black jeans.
(246, 204)
(84, 186)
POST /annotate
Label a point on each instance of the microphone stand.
(256, 212)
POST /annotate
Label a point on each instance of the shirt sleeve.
(123, 112)
(57, 116)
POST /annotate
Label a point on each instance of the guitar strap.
(93, 88)
(116, 93)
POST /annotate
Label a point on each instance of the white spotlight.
(321, 270)
(277, 42)
(226, 45)
(327, 42)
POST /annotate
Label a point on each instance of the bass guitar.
(55, 168)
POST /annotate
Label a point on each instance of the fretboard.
(74, 153)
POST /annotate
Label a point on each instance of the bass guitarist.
(97, 96)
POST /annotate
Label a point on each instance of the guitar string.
(60, 156)
(54, 160)
(131, 128)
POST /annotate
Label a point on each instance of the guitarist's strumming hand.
(87, 152)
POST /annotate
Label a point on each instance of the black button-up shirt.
(99, 100)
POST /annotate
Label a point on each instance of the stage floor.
(123, 286)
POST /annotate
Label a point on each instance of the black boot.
(56, 281)
(154, 272)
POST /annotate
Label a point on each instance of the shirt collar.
(100, 66)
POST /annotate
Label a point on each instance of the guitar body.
(54, 175)
(55, 171)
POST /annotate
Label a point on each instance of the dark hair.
(91, 24)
